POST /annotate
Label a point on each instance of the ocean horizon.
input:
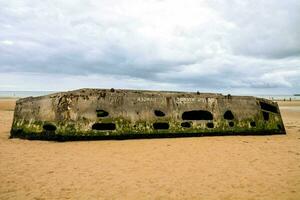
(23, 94)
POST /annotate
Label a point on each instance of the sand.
(232, 167)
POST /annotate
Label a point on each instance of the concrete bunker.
(112, 113)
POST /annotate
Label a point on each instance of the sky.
(224, 46)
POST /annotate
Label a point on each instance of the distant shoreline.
(23, 94)
(8, 98)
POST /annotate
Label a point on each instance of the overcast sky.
(243, 47)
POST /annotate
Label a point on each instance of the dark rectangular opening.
(49, 127)
(266, 116)
(197, 115)
(161, 125)
(104, 126)
(268, 107)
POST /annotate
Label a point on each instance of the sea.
(22, 94)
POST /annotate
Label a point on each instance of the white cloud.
(191, 45)
(7, 42)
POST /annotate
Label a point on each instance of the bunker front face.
(102, 114)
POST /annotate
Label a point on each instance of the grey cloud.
(212, 44)
(266, 29)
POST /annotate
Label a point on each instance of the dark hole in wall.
(159, 113)
(228, 115)
(252, 124)
(19, 131)
(102, 113)
(266, 115)
(268, 107)
(161, 125)
(197, 115)
(104, 126)
(231, 124)
(186, 124)
(210, 125)
(49, 127)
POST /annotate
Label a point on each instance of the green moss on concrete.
(125, 127)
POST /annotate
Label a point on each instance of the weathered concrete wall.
(96, 113)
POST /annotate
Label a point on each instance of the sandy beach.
(231, 167)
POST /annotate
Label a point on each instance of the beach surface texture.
(221, 167)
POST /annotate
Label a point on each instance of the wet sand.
(231, 167)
